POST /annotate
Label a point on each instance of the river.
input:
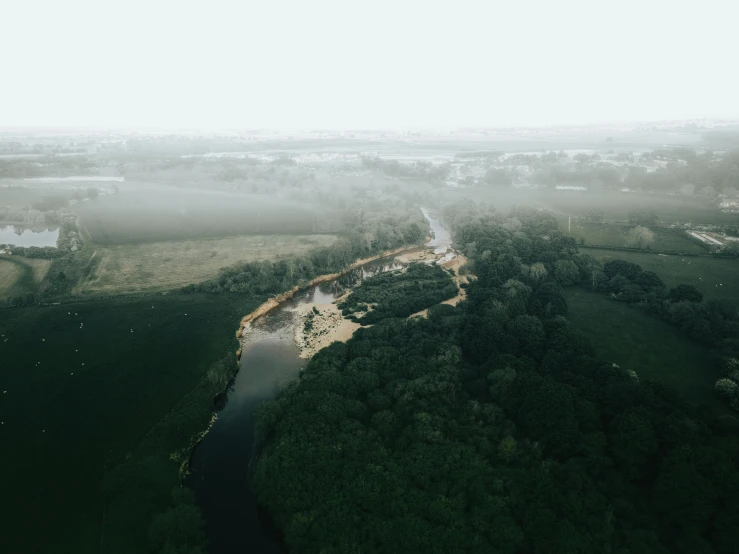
(223, 462)
(18, 235)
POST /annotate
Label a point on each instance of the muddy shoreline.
(280, 299)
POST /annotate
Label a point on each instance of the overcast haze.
(364, 64)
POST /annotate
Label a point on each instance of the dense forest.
(399, 294)
(493, 427)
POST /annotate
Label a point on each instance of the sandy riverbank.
(326, 326)
(455, 263)
(458, 261)
(274, 302)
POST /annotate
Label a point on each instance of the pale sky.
(374, 64)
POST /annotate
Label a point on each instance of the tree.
(566, 272)
(621, 267)
(180, 528)
(726, 387)
(643, 217)
(639, 237)
(594, 216)
(498, 177)
(538, 271)
(507, 448)
(685, 292)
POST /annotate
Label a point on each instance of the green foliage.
(566, 272)
(399, 294)
(114, 413)
(727, 387)
(639, 237)
(685, 292)
(490, 427)
(179, 529)
(646, 218)
(273, 277)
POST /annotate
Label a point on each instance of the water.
(222, 464)
(442, 240)
(23, 236)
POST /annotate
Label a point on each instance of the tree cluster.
(492, 427)
(646, 218)
(273, 277)
(713, 323)
(398, 294)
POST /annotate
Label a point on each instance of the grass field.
(615, 205)
(625, 335)
(143, 213)
(612, 234)
(80, 384)
(716, 278)
(19, 275)
(164, 265)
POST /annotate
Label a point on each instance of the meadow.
(20, 276)
(161, 266)
(635, 340)
(615, 235)
(615, 205)
(156, 214)
(80, 384)
(716, 278)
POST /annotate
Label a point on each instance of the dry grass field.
(19, 276)
(164, 265)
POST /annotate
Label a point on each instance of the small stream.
(223, 462)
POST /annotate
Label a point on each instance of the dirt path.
(327, 326)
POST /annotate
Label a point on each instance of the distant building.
(570, 187)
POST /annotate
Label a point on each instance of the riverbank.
(319, 326)
(276, 301)
(454, 264)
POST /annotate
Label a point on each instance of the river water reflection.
(25, 236)
(222, 464)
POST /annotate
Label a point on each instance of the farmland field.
(165, 265)
(615, 205)
(716, 278)
(651, 347)
(161, 214)
(19, 276)
(612, 234)
(85, 381)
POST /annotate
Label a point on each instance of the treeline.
(680, 170)
(69, 239)
(398, 294)
(273, 277)
(713, 323)
(492, 427)
(415, 170)
(28, 299)
(147, 509)
(48, 165)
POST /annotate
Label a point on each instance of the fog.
(345, 276)
(380, 64)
